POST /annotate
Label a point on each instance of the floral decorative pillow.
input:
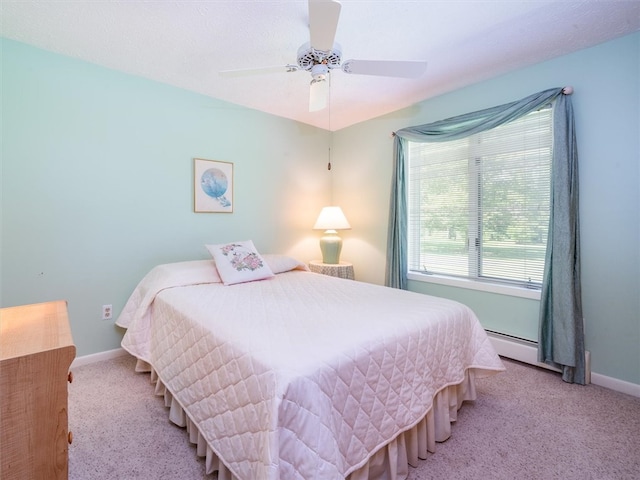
(239, 262)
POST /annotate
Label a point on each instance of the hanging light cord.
(330, 134)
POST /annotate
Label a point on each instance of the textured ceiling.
(187, 44)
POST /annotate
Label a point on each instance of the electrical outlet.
(107, 312)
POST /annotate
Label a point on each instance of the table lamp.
(330, 220)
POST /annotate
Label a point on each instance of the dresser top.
(29, 329)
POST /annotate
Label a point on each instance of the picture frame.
(212, 186)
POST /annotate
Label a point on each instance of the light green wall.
(606, 101)
(97, 183)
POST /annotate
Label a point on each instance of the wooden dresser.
(36, 351)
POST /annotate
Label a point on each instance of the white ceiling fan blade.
(318, 95)
(385, 68)
(323, 23)
(243, 72)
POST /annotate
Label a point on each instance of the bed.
(301, 375)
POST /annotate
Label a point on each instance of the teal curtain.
(476, 122)
(397, 264)
(561, 341)
(561, 328)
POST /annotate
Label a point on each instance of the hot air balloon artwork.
(213, 186)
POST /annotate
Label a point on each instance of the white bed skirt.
(391, 462)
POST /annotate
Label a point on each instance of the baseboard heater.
(526, 351)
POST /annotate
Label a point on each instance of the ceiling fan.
(321, 54)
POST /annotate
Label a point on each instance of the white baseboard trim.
(98, 357)
(527, 352)
(615, 384)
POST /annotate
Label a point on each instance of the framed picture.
(212, 186)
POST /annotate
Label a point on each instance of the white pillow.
(239, 262)
(283, 263)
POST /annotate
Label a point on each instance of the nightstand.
(340, 270)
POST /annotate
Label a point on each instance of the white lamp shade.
(332, 218)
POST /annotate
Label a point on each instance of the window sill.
(481, 286)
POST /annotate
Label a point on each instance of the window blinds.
(479, 206)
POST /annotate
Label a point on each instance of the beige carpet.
(526, 424)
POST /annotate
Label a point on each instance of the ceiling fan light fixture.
(319, 72)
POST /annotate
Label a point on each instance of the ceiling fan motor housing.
(309, 56)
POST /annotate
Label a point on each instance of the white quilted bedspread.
(302, 376)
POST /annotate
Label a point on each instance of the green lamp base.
(330, 246)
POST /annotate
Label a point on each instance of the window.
(479, 206)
